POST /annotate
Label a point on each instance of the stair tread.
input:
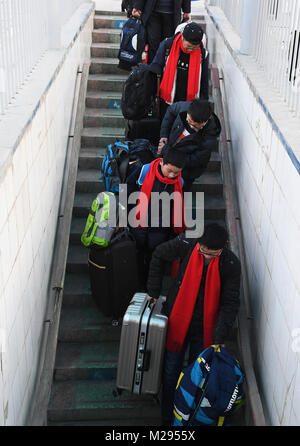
(86, 199)
(105, 45)
(96, 175)
(87, 355)
(94, 400)
(107, 77)
(88, 317)
(103, 112)
(77, 283)
(95, 94)
(95, 394)
(103, 60)
(106, 31)
(106, 131)
(127, 422)
(107, 17)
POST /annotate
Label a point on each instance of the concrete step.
(209, 183)
(103, 117)
(91, 157)
(94, 400)
(89, 180)
(93, 136)
(128, 422)
(111, 13)
(105, 49)
(77, 260)
(86, 324)
(105, 65)
(77, 289)
(101, 82)
(114, 22)
(106, 35)
(103, 99)
(214, 206)
(86, 361)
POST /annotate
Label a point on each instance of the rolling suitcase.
(142, 346)
(114, 275)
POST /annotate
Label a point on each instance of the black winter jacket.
(147, 7)
(197, 146)
(181, 248)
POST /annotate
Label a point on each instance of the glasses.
(211, 253)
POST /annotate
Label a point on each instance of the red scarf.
(166, 89)
(183, 308)
(178, 207)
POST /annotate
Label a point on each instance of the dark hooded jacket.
(197, 146)
(148, 6)
(181, 248)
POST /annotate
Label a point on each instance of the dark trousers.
(159, 26)
(146, 242)
(173, 364)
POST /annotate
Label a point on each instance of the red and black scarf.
(183, 308)
(167, 86)
(178, 207)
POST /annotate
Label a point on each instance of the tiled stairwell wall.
(33, 142)
(268, 183)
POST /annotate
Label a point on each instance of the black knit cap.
(193, 33)
(174, 157)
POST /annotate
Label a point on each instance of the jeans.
(173, 364)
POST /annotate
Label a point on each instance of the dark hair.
(174, 157)
(214, 236)
(200, 110)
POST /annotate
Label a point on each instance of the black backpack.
(139, 92)
(132, 45)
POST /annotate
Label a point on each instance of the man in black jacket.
(192, 128)
(202, 303)
(160, 17)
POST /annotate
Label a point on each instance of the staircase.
(87, 349)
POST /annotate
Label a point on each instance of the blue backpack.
(132, 45)
(209, 391)
(120, 157)
(114, 165)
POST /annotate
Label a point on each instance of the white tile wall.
(268, 191)
(29, 195)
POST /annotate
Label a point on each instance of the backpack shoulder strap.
(145, 169)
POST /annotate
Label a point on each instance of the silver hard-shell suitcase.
(142, 346)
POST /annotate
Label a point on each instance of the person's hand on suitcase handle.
(161, 144)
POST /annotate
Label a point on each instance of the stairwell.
(87, 350)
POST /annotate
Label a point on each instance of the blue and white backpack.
(132, 43)
(210, 390)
